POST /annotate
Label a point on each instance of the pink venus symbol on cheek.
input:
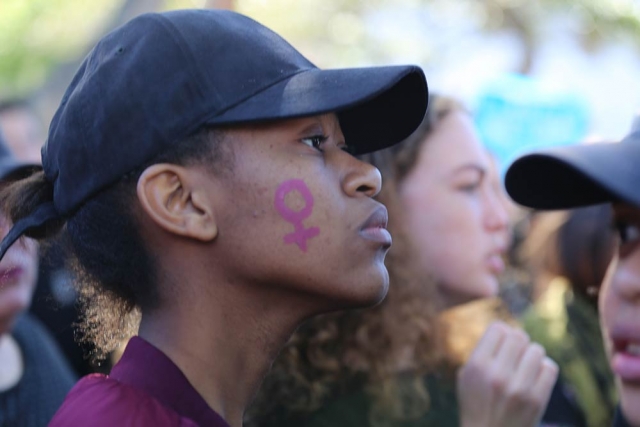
(300, 234)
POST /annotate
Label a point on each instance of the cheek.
(608, 301)
(446, 232)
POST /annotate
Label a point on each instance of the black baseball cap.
(162, 76)
(579, 175)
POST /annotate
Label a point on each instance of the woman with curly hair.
(378, 367)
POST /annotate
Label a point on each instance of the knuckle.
(550, 366)
(521, 336)
(518, 397)
(537, 351)
(498, 383)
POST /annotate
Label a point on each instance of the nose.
(625, 277)
(361, 178)
(496, 215)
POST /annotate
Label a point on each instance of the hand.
(506, 382)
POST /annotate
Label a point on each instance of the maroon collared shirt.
(145, 388)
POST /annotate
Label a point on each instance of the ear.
(174, 198)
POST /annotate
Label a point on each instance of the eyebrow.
(471, 166)
(314, 127)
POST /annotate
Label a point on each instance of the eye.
(315, 141)
(470, 187)
(628, 233)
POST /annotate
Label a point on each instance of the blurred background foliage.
(462, 44)
(37, 36)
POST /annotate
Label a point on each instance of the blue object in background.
(515, 114)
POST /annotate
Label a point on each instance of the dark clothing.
(354, 410)
(567, 326)
(46, 379)
(563, 410)
(145, 388)
(619, 420)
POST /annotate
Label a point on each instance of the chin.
(630, 402)
(368, 292)
(491, 287)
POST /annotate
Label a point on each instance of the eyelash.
(318, 140)
(471, 187)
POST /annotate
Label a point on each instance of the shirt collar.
(145, 367)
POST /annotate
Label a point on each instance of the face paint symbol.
(300, 234)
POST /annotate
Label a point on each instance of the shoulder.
(100, 401)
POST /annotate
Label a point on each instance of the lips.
(375, 227)
(495, 263)
(625, 360)
(10, 275)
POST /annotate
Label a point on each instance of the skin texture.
(620, 309)
(456, 212)
(18, 274)
(229, 276)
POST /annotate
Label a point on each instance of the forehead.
(325, 123)
(454, 142)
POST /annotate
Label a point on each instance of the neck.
(225, 347)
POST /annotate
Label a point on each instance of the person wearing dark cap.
(34, 376)
(204, 173)
(570, 177)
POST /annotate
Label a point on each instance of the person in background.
(55, 300)
(389, 366)
(203, 174)
(34, 376)
(22, 130)
(568, 254)
(577, 176)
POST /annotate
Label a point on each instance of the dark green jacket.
(354, 409)
(567, 326)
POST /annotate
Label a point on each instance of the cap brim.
(377, 106)
(575, 176)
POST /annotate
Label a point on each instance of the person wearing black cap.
(34, 376)
(204, 173)
(570, 177)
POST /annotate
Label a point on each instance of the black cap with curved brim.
(163, 76)
(576, 176)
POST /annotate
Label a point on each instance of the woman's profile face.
(620, 310)
(455, 212)
(18, 275)
(297, 214)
